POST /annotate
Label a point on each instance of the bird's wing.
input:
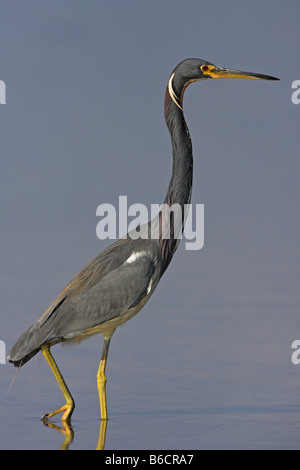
(100, 293)
(113, 282)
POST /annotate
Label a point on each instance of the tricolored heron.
(115, 285)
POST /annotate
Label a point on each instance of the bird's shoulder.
(125, 255)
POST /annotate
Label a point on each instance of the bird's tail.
(42, 332)
(27, 346)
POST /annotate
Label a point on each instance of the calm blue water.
(180, 376)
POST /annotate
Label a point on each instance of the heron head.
(193, 70)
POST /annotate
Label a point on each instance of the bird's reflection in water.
(102, 435)
(68, 431)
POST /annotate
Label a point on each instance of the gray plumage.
(103, 290)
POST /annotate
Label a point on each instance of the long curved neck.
(171, 222)
(180, 185)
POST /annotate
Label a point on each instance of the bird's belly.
(112, 324)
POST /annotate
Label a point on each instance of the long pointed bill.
(220, 72)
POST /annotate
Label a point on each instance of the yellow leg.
(70, 404)
(101, 377)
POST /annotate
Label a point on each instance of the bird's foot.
(67, 408)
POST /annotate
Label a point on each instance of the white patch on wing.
(135, 255)
(149, 287)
